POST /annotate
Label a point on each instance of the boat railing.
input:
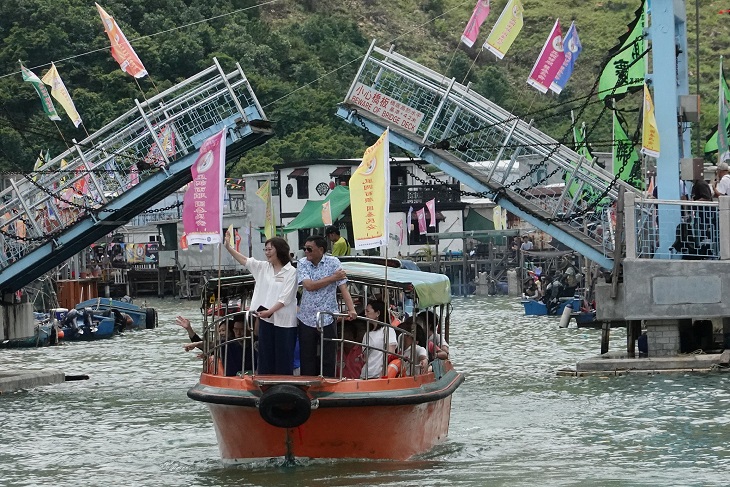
(217, 348)
(367, 348)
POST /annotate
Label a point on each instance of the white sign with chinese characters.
(385, 107)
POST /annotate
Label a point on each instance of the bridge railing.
(85, 179)
(698, 234)
(505, 149)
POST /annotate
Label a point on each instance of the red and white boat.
(263, 416)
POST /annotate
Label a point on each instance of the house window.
(303, 187)
(275, 185)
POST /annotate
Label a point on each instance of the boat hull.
(374, 419)
(538, 308)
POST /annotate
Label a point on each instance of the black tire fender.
(285, 406)
(150, 318)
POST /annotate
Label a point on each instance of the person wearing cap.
(339, 244)
(722, 182)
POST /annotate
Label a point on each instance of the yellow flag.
(649, 131)
(370, 196)
(60, 93)
(326, 213)
(264, 192)
(505, 30)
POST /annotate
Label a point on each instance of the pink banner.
(203, 202)
(421, 215)
(431, 205)
(400, 226)
(549, 62)
(478, 16)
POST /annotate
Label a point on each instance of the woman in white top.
(373, 368)
(275, 297)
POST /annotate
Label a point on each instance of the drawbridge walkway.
(486, 148)
(121, 170)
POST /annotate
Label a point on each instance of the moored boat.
(396, 416)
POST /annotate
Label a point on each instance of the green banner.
(40, 88)
(625, 157)
(624, 71)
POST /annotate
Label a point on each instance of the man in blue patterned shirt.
(320, 275)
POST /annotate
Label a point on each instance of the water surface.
(513, 423)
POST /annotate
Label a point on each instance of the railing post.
(630, 224)
(359, 71)
(153, 133)
(230, 89)
(250, 91)
(724, 224)
(31, 218)
(568, 183)
(438, 111)
(98, 186)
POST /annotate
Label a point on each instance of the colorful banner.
(203, 201)
(478, 16)
(122, 51)
(421, 217)
(264, 192)
(40, 88)
(506, 29)
(549, 61)
(625, 158)
(711, 145)
(166, 136)
(624, 71)
(649, 131)
(326, 213)
(571, 50)
(184, 242)
(370, 196)
(60, 93)
(231, 236)
(431, 205)
(399, 224)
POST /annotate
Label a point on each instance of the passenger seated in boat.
(242, 337)
(231, 352)
(375, 341)
(350, 362)
(437, 345)
(420, 360)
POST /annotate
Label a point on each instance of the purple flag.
(571, 48)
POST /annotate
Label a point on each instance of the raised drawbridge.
(121, 170)
(488, 149)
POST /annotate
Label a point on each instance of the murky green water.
(514, 423)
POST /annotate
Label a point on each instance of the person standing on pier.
(722, 181)
(339, 244)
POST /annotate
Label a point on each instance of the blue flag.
(572, 49)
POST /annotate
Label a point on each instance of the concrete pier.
(15, 380)
(617, 363)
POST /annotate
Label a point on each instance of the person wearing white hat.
(722, 180)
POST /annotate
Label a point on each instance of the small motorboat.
(401, 414)
(142, 316)
(44, 334)
(533, 307)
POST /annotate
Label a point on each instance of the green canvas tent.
(311, 214)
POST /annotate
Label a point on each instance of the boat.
(85, 327)
(534, 307)
(143, 317)
(43, 335)
(393, 417)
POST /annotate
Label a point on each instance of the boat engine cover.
(285, 406)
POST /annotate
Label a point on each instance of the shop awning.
(297, 173)
(340, 171)
(311, 214)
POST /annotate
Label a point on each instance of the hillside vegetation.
(301, 56)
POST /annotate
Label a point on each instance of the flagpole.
(472, 65)
(61, 134)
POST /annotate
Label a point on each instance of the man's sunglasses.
(309, 249)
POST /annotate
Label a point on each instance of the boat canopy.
(431, 289)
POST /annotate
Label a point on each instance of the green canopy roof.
(311, 214)
(431, 288)
(475, 221)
